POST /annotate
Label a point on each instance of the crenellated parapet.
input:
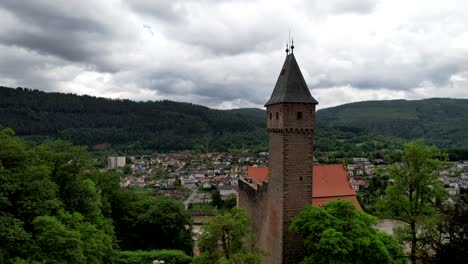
(291, 130)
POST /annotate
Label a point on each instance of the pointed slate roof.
(291, 86)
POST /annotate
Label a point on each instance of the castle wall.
(253, 198)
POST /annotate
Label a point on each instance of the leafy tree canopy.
(338, 233)
(228, 238)
(415, 191)
(55, 207)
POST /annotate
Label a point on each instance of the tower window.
(300, 178)
(271, 116)
(299, 115)
(277, 115)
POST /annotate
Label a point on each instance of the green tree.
(56, 242)
(14, 240)
(338, 233)
(50, 209)
(228, 238)
(108, 183)
(216, 200)
(415, 191)
(146, 222)
(446, 240)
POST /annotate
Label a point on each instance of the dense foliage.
(147, 222)
(228, 238)
(127, 125)
(415, 191)
(55, 207)
(359, 129)
(334, 145)
(449, 237)
(338, 233)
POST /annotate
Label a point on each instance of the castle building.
(274, 195)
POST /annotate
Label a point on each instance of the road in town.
(191, 197)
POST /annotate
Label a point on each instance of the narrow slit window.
(277, 115)
(271, 116)
(299, 115)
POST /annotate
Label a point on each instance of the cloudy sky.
(228, 54)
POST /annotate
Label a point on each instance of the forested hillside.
(128, 125)
(343, 131)
(441, 121)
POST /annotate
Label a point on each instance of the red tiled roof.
(329, 182)
(258, 174)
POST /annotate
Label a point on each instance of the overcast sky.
(228, 54)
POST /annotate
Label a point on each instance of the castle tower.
(291, 124)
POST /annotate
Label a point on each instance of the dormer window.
(282, 72)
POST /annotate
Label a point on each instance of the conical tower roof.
(291, 86)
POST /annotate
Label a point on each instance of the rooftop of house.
(329, 182)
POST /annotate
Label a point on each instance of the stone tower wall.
(290, 181)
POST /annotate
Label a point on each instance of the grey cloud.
(175, 11)
(333, 7)
(52, 15)
(27, 69)
(62, 44)
(167, 11)
(361, 6)
(213, 32)
(395, 78)
(46, 28)
(228, 43)
(203, 53)
(167, 83)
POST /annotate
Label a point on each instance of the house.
(360, 160)
(226, 190)
(357, 183)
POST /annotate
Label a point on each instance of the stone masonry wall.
(291, 160)
(253, 198)
(289, 189)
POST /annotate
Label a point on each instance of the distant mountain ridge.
(441, 121)
(167, 125)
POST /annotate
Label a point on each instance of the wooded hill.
(166, 125)
(133, 126)
(440, 121)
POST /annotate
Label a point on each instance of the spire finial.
(292, 45)
(287, 48)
